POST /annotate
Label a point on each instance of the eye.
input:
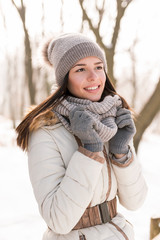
(99, 67)
(80, 70)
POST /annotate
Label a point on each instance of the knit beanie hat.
(63, 52)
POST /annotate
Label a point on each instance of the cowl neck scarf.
(103, 113)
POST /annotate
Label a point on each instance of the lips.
(92, 88)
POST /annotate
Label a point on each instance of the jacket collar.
(46, 118)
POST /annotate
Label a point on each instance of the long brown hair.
(49, 103)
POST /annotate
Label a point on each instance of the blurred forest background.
(127, 30)
(129, 33)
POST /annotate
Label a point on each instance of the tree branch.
(95, 30)
(120, 14)
(15, 5)
(21, 10)
(101, 12)
(108, 51)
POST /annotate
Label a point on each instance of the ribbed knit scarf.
(103, 113)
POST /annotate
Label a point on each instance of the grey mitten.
(126, 130)
(82, 126)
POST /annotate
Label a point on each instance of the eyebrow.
(83, 64)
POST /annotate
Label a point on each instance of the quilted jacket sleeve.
(62, 194)
(132, 188)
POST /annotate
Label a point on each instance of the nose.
(92, 76)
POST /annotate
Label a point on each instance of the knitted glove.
(82, 126)
(126, 130)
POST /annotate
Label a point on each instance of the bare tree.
(109, 51)
(7, 60)
(11, 73)
(28, 52)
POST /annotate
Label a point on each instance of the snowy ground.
(19, 216)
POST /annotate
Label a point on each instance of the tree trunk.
(154, 228)
(146, 116)
(157, 237)
(28, 53)
(28, 67)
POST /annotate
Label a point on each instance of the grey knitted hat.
(64, 51)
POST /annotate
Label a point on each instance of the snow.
(148, 155)
(19, 215)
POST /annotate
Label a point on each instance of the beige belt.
(99, 214)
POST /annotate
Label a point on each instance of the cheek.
(103, 78)
(74, 85)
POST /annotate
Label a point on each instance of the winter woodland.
(128, 32)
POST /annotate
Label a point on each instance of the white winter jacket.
(66, 180)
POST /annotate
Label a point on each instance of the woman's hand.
(126, 130)
(82, 126)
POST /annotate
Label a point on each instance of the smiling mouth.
(92, 88)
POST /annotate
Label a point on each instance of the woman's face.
(87, 79)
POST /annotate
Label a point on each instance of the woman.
(79, 144)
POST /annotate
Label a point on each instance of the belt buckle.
(104, 213)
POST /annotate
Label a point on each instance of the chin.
(95, 99)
